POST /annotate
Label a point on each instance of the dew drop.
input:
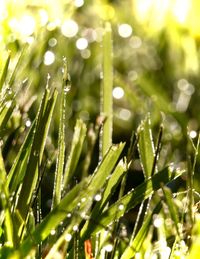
(67, 88)
(97, 197)
(121, 207)
(35, 153)
(108, 247)
(68, 237)
(8, 104)
(75, 227)
(28, 123)
(83, 199)
(53, 232)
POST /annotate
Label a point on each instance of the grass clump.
(92, 209)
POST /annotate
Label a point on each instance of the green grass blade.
(5, 72)
(53, 219)
(75, 152)
(190, 180)
(17, 66)
(112, 183)
(17, 171)
(6, 207)
(31, 175)
(58, 181)
(107, 102)
(136, 196)
(137, 242)
(172, 208)
(5, 114)
(146, 147)
(86, 190)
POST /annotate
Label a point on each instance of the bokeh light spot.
(118, 92)
(26, 25)
(49, 58)
(125, 30)
(85, 53)
(43, 17)
(78, 3)
(124, 114)
(52, 42)
(135, 42)
(69, 28)
(81, 43)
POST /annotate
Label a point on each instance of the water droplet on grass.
(83, 199)
(108, 248)
(67, 88)
(97, 197)
(68, 237)
(75, 227)
(8, 104)
(28, 123)
(53, 232)
(121, 207)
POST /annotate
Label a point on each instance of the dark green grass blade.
(146, 147)
(18, 168)
(112, 183)
(172, 208)
(129, 201)
(58, 181)
(75, 152)
(5, 72)
(9, 235)
(137, 242)
(18, 65)
(31, 176)
(7, 106)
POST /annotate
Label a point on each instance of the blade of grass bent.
(136, 196)
(31, 176)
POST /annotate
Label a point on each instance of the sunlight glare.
(26, 25)
(43, 17)
(181, 9)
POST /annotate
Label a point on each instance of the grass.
(89, 206)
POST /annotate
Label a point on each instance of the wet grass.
(86, 217)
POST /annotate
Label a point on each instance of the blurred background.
(156, 50)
